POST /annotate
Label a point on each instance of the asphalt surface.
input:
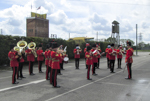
(75, 87)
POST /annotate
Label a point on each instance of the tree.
(123, 42)
(110, 40)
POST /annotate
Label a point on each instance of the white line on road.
(81, 87)
(33, 82)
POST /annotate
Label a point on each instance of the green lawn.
(143, 50)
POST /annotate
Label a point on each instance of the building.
(79, 40)
(37, 27)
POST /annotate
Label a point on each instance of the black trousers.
(20, 69)
(62, 67)
(129, 70)
(93, 68)
(30, 67)
(88, 71)
(112, 64)
(48, 70)
(119, 62)
(77, 63)
(59, 70)
(14, 74)
(98, 64)
(108, 63)
(54, 77)
(40, 65)
(85, 64)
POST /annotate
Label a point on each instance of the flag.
(39, 8)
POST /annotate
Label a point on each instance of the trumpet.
(121, 52)
(32, 46)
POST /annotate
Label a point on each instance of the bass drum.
(66, 59)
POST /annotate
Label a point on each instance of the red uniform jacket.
(129, 55)
(13, 59)
(88, 58)
(107, 54)
(85, 51)
(50, 58)
(55, 60)
(111, 57)
(75, 54)
(119, 55)
(99, 52)
(46, 58)
(30, 56)
(40, 56)
(94, 57)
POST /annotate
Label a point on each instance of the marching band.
(55, 56)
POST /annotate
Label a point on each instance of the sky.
(80, 18)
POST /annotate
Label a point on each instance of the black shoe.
(89, 79)
(127, 78)
(16, 83)
(59, 74)
(32, 74)
(62, 69)
(48, 79)
(118, 68)
(56, 86)
(40, 72)
(19, 78)
(98, 68)
(23, 77)
(94, 74)
(113, 72)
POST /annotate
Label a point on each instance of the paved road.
(75, 87)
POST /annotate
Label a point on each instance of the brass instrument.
(78, 49)
(22, 45)
(113, 52)
(121, 52)
(17, 49)
(32, 46)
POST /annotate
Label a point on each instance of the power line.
(109, 2)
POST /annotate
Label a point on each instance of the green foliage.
(6, 40)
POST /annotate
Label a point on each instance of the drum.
(66, 59)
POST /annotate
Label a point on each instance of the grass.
(143, 50)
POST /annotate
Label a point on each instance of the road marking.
(33, 82)
(140, 97)
(81, 87)
(86, 85)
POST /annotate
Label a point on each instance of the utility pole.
(97, 36)
(69, 35)
(136, 37)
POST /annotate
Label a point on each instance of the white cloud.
(79, 18)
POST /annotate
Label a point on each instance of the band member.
(85, 49)
(40, 57)
(60, 63)
(13, 63)
(50, 70)
(46, 62)
(107, 55)
(30, 58)
(21, 62)
(119, 56)
(129, 60)
(88, 56)
(77, 52)
(99, 56)
(94, 58)
(55, 64)
(112, 56)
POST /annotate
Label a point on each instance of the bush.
(6, 40)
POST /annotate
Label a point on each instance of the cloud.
(58, 18)
(14, 22)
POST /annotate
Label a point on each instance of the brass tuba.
(32, 46)
(22, 45)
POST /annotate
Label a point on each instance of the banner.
(43, 16)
